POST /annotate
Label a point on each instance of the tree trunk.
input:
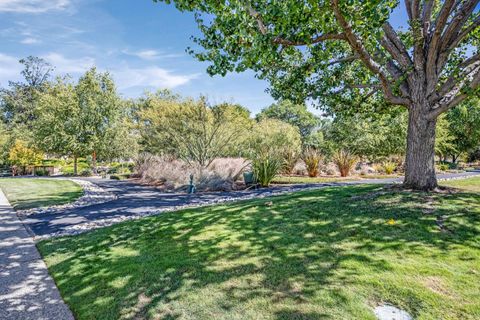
(94, 162)
(420, 158)
(75, 166)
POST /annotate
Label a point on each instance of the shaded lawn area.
(306, 179)
(25, 193)
(324, 254)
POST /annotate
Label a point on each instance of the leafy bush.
(82, 165)
(443, 166)
(120, 168)
(273, 138)
(312, 159)
(265, 169)
(42, 172)
(119, 176)
(389, 167)
(86, 172)
(345, 161)
(21, 155)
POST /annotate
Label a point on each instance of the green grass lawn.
(25, 193)
(471, 184)
(325, 254)
(306, 179)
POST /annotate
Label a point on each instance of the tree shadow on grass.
(296, 259)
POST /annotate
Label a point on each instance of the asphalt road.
(134, 199)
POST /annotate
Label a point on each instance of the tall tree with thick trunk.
(337, 51)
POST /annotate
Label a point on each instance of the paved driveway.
(134, 200)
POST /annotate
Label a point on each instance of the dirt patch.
(437, 285)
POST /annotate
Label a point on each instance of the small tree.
(82, 119)
(190, 129)
(464, 128)
(21, 155)
(294, 114)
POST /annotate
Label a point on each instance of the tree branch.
(286, 42)
(408, 7)
(463, 34)
(346, 59)
(357, 46)
(392, 43)
(457, 95)
(427, 16)
(434, 45)
(458, 21)
(464, 69)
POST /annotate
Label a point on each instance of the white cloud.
(67, 65)
(33, 6)
(30, 40)
(152, 54)
(149, 77)
(125, 76)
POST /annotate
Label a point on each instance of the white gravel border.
(92, 194)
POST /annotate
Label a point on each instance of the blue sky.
(140, 42)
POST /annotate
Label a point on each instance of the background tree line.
(59, 117)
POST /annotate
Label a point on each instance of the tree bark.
(75, 166)
(94, 162)
(420, 158)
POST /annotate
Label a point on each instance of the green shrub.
(443, 166)
(41, 172)
(345, 161)
(273, 137)
(86, 172)
(312, 159)
(265, 169)
(119, 176)
(389, 167)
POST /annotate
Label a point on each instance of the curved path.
(136, 200)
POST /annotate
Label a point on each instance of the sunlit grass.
(25, 193)
(306, 179)
(470, 184)
(329, 253)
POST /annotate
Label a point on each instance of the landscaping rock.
(389, 312)
(92, 194)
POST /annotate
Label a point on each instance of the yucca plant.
(312, 159)
(345, 161)
(265, 168)
(389, 167)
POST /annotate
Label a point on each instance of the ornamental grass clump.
(389, 167)
(345, 161)
(312, 159)
(290, 159)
